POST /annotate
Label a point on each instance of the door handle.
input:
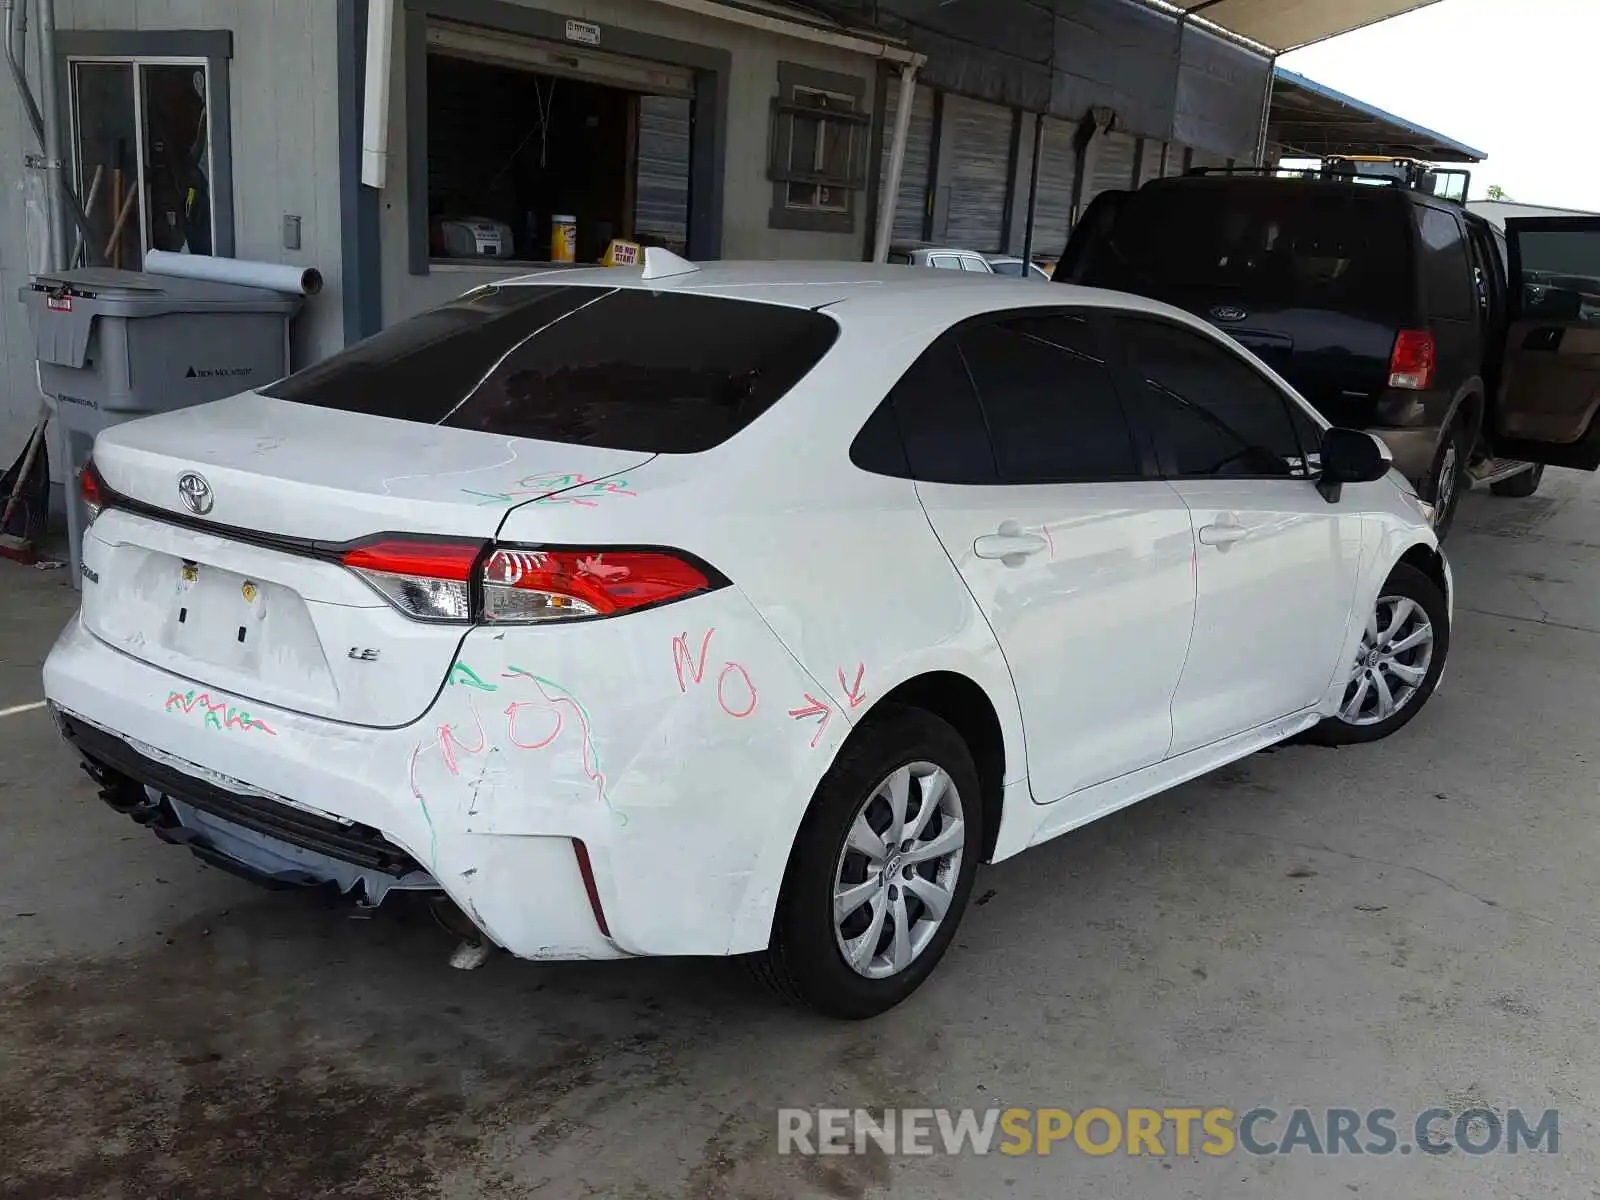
(1222, 535)
(1008, 545)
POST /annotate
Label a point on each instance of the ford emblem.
(1229, 312)
(195, 493)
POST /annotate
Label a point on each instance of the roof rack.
(1370, 170)
(1296, 173)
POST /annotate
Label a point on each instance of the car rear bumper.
(679, 787)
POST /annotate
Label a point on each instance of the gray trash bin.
(114, 346)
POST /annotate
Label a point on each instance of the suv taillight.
(464, 582)
(1411, 365)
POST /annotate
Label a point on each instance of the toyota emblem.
(195, 493)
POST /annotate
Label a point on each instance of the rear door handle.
(1222, 535)
(1008, 545)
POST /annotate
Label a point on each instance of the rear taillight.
(462, 582)
(1411, 365)
(92, 490)
(523, 586)
(426, 580)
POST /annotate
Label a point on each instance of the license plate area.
(220, 617)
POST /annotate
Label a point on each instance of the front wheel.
(1397, 665)
(1520, 485)
(881, 871)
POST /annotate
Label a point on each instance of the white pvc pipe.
(889, 198)
(379, 75)
(796, 29)
(275, 277)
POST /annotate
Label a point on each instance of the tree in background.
(1496, 192)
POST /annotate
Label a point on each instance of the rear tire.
(1447, 478)
(1410, 613)
(1522, 485)
(806, 962)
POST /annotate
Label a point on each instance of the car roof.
(853, 285)
(858, 290)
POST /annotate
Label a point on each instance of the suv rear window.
(1275, 244)
(622, 368)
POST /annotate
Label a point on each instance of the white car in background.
(1012, 267)
(734, 610)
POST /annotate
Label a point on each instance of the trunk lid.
(254, 603)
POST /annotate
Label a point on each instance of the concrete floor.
(1400, 926)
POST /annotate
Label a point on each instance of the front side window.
(1012, 270)
(1212, 413)
(1560, 274)
(547, 362)
(1050, 401)
(142, 156)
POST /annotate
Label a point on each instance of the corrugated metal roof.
(1310, 120)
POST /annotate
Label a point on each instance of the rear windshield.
(1344, 249)
(622, 369)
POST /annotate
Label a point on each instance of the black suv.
(1388, 308)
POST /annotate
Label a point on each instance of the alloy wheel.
(1391, 664)
(896, 878)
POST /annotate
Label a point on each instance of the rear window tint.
(1345, 249)
(622, 369)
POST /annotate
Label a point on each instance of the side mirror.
(1350, 456)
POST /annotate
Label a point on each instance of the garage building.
(718, 128)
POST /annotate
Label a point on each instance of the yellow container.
(563, 239)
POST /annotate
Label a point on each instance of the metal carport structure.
(1309, 120)
(1074, 95)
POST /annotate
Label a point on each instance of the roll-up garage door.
(911, 205)
(1113, 165)
(1053, 203)
(661, 209)
(977, 136)
(1150, 162)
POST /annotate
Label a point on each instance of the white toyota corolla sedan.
(741, 609)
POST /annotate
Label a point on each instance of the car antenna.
(663, 264)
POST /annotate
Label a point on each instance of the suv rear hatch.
(237, 541)
(1313, 277)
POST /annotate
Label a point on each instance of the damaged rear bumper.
(578, 793)
(230, 826)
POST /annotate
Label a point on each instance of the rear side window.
(1051, 402)
(1213, 414)
(623, 369)
(1274, 243)
(1446, 270)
